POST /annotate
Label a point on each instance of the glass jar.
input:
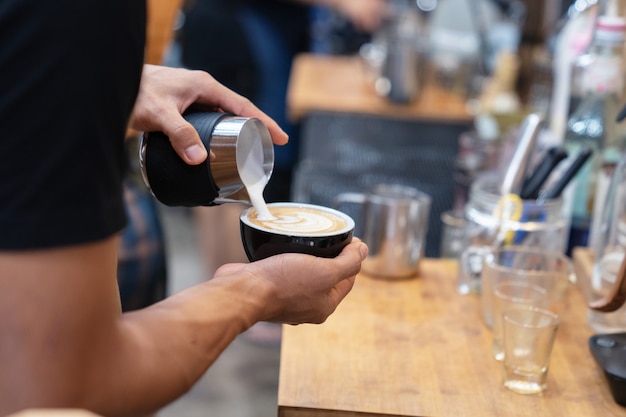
(540, 224)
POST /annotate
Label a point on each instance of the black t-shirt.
(69, 75)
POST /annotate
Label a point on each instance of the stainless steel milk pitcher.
(242, 147)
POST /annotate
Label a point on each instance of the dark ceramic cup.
(301, 228)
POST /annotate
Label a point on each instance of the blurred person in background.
(249, 46)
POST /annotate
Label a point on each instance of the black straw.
(557, 188)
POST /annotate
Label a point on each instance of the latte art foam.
(299, 220)
(303, 223)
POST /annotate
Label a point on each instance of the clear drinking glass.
(552, 271)
(529, 335)
(452, 230)
(510, 294)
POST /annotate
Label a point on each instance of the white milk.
(255, 191)
(253, 177)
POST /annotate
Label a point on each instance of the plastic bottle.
(593, 124)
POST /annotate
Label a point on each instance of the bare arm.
(63, 339)
(65, 343)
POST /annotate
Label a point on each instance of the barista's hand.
(296, 288)
(165, 93)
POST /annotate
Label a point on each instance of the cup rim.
(398, 192)
(553, 319)
(485, 187)
(490, 259)
(350, 224)
(498, 287)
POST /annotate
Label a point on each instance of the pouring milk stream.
(253, 177)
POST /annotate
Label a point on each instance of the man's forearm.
(66, 343)
(164, 349)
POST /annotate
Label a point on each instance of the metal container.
(394, 225)
(244, 155)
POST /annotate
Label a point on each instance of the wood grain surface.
(339, 83)
(418, 348)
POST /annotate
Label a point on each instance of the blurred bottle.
(582, 48)
(571, 38)
(400, 71)
(592, 122)
(477, 153)
(609, 252)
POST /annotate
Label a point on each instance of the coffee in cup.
(296, 227)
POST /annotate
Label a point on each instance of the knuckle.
(183, 134)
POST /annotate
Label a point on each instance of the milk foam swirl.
(303, 223)
(300, 221)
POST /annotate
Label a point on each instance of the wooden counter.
(338, 83)
(417, 348)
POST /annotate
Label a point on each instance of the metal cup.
(243, 151)
(393, 223)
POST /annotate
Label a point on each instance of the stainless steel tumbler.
(242, 146)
